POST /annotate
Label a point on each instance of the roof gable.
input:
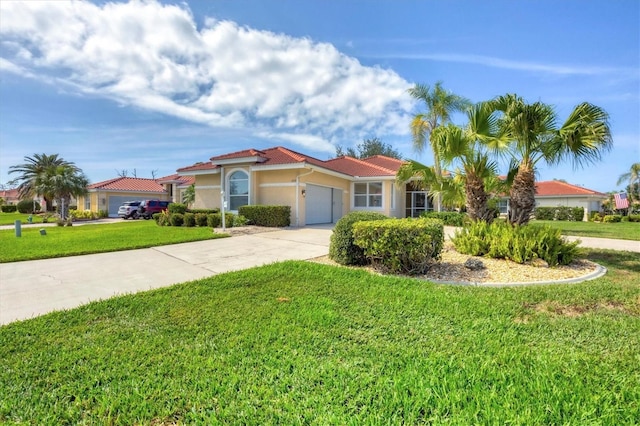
(552, 188)
(128, 184)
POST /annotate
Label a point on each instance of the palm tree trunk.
(522, 197)
(477, 200)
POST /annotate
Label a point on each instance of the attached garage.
(116, 201)
(322, 204)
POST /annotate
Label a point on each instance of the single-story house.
(175, 185)
(10, 196)
(317, 191)
(111, 194)
(554, 193)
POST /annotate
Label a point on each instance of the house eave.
(241, 160)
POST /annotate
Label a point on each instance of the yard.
(303, 343)
(620, 230)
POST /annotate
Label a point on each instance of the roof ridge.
(370, 164)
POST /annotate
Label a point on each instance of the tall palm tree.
(632, 176)
(440, 105)
(529, 134)
(62, 182)
(30, 171)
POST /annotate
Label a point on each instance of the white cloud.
(153, 56)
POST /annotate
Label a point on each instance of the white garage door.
(116, 202)
(322, 204)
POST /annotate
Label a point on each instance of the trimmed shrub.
(240, 220)
(214, 220)
(595, 217)
(82, 214)
(400, 246)
(163, 218)
(176, 219)
(575, 214)
(634, 218)
(103, 214)
(203, 211)
(517, 243)
(342, 248)
(189, 219)
(625, 219)
(612, 218)
(448, 218)
(201, 219)
(545, 213)
(177, 208)
(9, 208)
(26, 206)
(272, 216)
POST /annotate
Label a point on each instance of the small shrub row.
(342, 248)
(517, 243)
(448, 218)
(612, 218)
(573, 214)
(203, 211)
(9, 208)
(271, 216)
(400, 246)
(83, 214)
(188, 219)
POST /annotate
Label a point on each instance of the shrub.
(203, 211)
(612, 218)
(163, 218)
(189, 219)
(272, 216)
(214, 220)
(400, 246)
(595, 217)
(518, 243)
(201, 219)
(342, 248)
(545, 213)
(448, 218)
(177, 208)
(82, 214)
(625, 219)
(176, 219)
(26, 206)
(240, 220)
(576, 214)
(8, 208)
(103, 214)
(634, 218)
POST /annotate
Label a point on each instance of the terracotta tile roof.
(384, 161)
(552, 188)
(176, 178)
(9, 195)
(128, 184)
(198, 166)
(361, 168)
(238, 154)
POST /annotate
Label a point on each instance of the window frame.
(368, 195)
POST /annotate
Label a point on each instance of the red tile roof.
(553, 188)
(176, 178)
(9, 195)
(197, 167)
(128, 184)
(238, 154)
(361, 168)
(384, 161)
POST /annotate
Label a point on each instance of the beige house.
(317, 191)
(110, 194)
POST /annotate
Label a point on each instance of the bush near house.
(203, 211)
(27, 206)
(612, 218)
(448, 218)
(517, 243)
(634, 218)
(271, 216)
(400, 246)
(342, 249)
(575, 214)
(214, 220)
(8, 208)
(201, 219)
(177, 208)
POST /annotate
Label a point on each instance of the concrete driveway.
(33, 288)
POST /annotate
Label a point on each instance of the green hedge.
(400, 246)
(203, 211)
(9, 208)
(272, 216)
(448, 218)
(342, 248)
(26, 206)
(574, 214)
(612, 218)
(634, 218)
(177, 208)
(518, 243)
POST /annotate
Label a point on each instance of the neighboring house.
(554, 193)
(10, 196)
(111, 194)
(175, 185)
(317, 191)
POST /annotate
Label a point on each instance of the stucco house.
(111, 194)
(10, 196)
(317, 191)
(554, 193)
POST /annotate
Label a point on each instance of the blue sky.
(154, 86)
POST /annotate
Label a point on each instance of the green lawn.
(303, 343)
(621, 230)
(75, 240)
(10, 218)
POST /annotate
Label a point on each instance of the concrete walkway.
(37, 287)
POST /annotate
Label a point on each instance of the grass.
(10, 218)
(620, 230)
(86, 239)
(303, 343)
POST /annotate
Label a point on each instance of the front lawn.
(86, 239)
(10, 218)
(304, 343)
(620, 230)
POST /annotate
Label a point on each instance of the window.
(367, 194)
(417, 201)
(87, 202)
(238, 190)
(503, 205)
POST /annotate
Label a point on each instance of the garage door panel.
(116, 202)
(318, 205)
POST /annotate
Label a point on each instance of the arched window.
(238, 189)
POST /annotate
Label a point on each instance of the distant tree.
(154, 172)
(368, 148)
(33, 169)
(633, 179)
(189, 195)
(122, 173)
(560, 180)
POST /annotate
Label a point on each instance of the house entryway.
(417, 201)
(322, 204)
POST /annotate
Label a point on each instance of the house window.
(417, 201)
(367, 194)
(87, 202)
(238, 190)
(503, 205)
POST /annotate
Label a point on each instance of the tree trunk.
(477, 200)
(522, 197)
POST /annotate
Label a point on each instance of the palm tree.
(469, 149)
(30, 171)
(62, 182)
(440, 105)
(529, 134)
(633, 177)
(189, 195)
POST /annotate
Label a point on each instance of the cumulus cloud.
(155, 57)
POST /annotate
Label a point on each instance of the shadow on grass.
(623, 260)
